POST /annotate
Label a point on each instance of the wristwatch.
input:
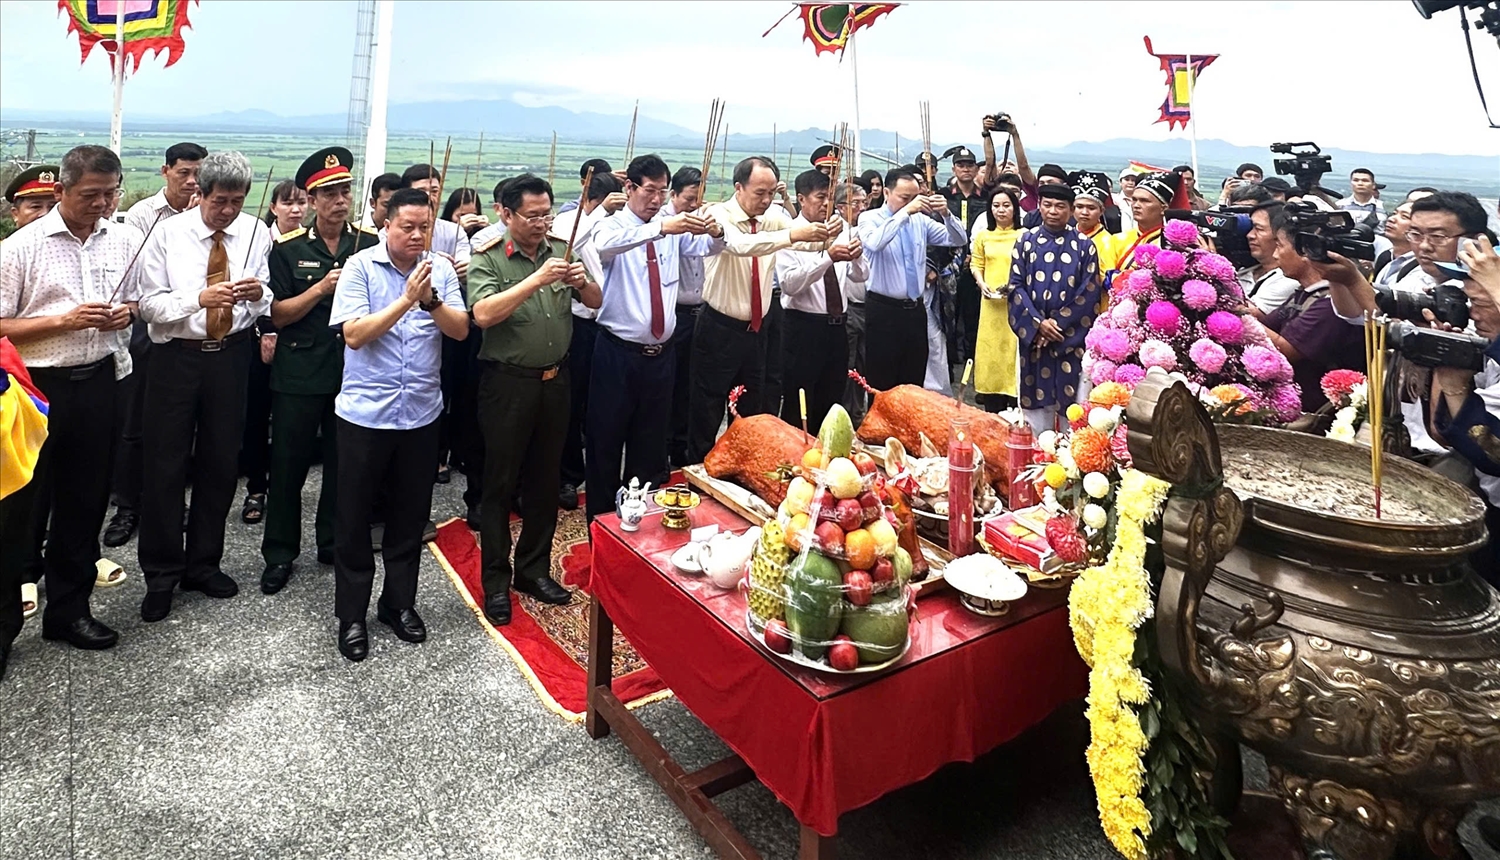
(430, 306)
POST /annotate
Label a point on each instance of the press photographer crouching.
(1463, 410)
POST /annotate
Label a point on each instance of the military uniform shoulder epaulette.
(492, 242)
(366, 229)
(287, 237)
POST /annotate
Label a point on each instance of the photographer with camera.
(993, 169)
(1266, 286)
(1305, 328)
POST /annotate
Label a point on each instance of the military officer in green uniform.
(309, 361)
(30, 193)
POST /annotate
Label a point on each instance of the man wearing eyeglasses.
(521, 288)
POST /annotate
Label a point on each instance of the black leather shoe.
(217, 585)
(325, 556)
(354, 642)
(429, 532)
(275, 577)
(156, 606)
(4, 660)
(567, 497)
(121, 527)
(86, 632)
(1489, 831)
(497, 609)
(405, 622)
(472, 518)
(545, 590)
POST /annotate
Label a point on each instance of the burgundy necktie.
(658, 315)
(833, 300)
(755, 311)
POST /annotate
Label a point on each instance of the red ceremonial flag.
(1182, 75)
(829, 25)
(150, 25)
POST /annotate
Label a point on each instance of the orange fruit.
(813, 459)
(859, 549)
(795, 529)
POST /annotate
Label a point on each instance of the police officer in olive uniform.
(30, 193)
(309, 362)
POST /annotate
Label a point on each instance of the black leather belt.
(728, 321)
(827, 319)
(649, 350)
(213, 345)
(75, 373)
(543, 373)
(903, 304)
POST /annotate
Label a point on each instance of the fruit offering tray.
(798, 659)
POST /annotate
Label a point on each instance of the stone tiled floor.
(234, 729)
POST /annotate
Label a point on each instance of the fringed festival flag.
(1182, 75)
(23, 421)
(829, 25)
(150, 25)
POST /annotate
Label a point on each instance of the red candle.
(960, 489)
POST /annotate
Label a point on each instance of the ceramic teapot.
(630, 503)
(724, 557)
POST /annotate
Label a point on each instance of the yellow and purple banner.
(1182, 72)
(150, 25)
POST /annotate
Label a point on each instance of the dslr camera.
(1307, 165)
(1227, 227)
(1429, 347)
(1002, 121)
(1446, 301)
(1317, 233)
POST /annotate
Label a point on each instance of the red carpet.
(548, 643)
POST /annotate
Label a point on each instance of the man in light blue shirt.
(895, 239)
(635, 365)
(393, 304)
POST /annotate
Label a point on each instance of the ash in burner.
(1293, 484)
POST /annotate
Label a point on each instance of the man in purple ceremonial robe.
(1054, 297)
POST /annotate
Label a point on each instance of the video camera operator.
(1265, 285)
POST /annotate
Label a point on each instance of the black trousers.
(128, 469)
(525, 419)
(726, 353)
(402, 462)
(855, 399)
(682, 347)
(899, 331)
(967, 295)
(630, 409)
(580, 364)
(69, 488)
(770, 400)
(295, 422)
(816, 360)
(255, 447)
(190, 394)
(465, 438)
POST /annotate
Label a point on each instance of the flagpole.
(380, 80)
(115, 121)
(854, 70)
(1192, 115)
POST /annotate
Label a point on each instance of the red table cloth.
(823, 743)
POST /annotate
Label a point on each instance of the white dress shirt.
(46, 271)
(727, 282)
(690, 274)
(145, 212)
(174, 270)
(449, 238)
(620, 241)
(801, 275)
(562, 228)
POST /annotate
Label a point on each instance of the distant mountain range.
(503, 118)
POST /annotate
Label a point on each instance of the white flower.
(1047, 442)
(1049, 500)
(1096, 485)
(1341, 433)
(1358, 393)
(1065, 459)
(1346, 416)
(1101, 419)
(1095, 517)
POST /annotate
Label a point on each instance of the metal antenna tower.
(359, 87)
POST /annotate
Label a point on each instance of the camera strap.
(1463, 17)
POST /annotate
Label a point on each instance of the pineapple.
(767, 568)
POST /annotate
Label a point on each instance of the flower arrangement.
(1180, 311)
(1349, 393)
(1078, 471)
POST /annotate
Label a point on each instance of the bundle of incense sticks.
(710, 143)
(630, 141)
(588, 179)
(552, 163)
(927, 160)
(1375, 332)
(442, 178)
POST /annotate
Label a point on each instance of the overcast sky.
(1391, 82)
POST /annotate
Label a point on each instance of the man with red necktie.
(729, 346)
(634, 367)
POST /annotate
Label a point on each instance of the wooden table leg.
(600, 669)
(816, 846)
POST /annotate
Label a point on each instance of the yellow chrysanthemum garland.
(1107, 605)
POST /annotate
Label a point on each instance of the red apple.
(829, 538)
(884, 572)
(858, 587)
(842, 655)
(869, 506)
(778, 637)
(825, 499)
(849, 515)
(864, 463)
